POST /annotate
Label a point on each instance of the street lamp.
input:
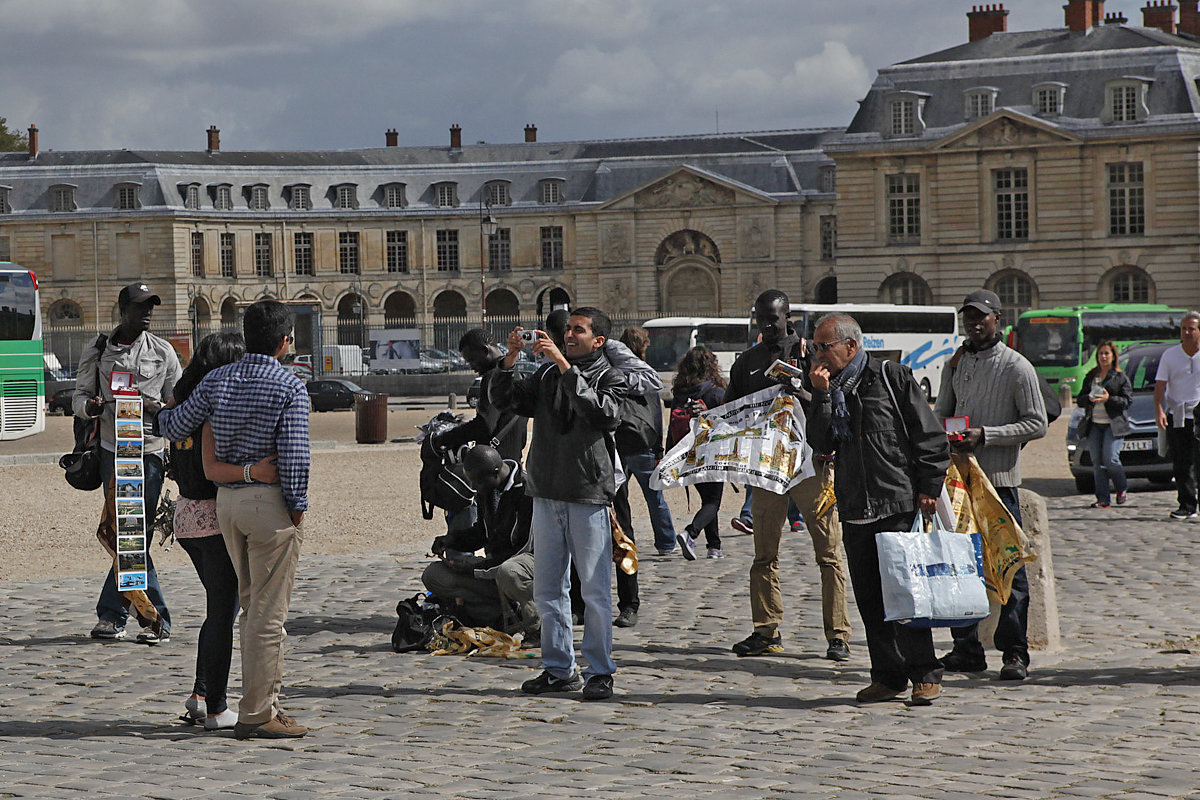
(487, 229)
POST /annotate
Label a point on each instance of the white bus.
(671, 337)
(22, 368)
(920, 337)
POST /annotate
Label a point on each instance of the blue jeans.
(580, 534)
(747, 514)
(1105, 450)
(640, 467)
(111, 607)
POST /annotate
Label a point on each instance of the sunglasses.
(825, 347)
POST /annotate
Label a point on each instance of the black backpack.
(443, 480)
(414, 629)
(636, 432)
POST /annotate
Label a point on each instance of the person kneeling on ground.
(479, 589)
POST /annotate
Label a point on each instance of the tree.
(11, 142)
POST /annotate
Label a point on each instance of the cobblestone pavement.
(1113, 714)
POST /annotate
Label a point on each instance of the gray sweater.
(998, 389)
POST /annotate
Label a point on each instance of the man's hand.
(438, 548)
(971, 439)
(1160, 418)
(515, 345)
(928, 504)
(96, 405)
(545, 346)
(819, 376)
(297, 518)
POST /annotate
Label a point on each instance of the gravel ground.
(364, 499)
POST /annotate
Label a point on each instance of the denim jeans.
(1106, 461)
(641, 467)
(214, 651)
(111, 607)
(580, 534)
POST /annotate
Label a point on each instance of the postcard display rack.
(131, 480)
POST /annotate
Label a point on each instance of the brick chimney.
(455, 137)
(391, 137)
(1159, 14)
(531, 133)
(33, 142)
(983, 21)
(1189, 18)
(1117, 18)
(1083, 15)
(214, 139)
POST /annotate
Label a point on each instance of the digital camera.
(529, 337)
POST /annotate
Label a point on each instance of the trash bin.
(370, 418)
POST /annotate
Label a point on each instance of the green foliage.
(10, 141)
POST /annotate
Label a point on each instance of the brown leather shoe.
(279, 728)
(877, 693)
(923, 694)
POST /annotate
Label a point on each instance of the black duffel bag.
(82, 465)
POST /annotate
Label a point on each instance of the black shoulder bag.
(81, 466)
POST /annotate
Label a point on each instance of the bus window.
(723, 338)
(667, 346)
(1049, 341)
(1129, 326)
(18, 307)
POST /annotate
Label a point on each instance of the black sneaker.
(954, 661)
(599, 687)
(838, 650)
(1182, 513)
(758, 645)
(107, 630)
(1014, 669)
(546, 682)
(626, 619)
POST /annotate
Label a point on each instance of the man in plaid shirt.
(256, 408)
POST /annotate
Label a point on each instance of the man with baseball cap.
(155, 368)
(997, 388)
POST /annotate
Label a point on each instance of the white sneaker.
(226, 719)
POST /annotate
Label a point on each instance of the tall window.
(393, 196)
(905, 288)
(828, 179)
(263, 261)
(397, 251)
(551, 192)
(127, 197)
(904, 208)
(198, 254)
(302, 253)
(259, 200)
(223, 198)
(1012, 203)
(446, 195)
(552, 247)
(500, 250)
(301, 199)
(447, 251)
(1126, 199)
(904, 117)
(227, 256)
(5, 206)
(348, 253)
(191, 199)
(497, 193)
(62, 198)
(1123, 103)
(347, 196)
(828, 238)
(1131, 285)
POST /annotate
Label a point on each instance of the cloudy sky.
(297, 74)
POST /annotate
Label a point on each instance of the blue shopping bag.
(934, 579)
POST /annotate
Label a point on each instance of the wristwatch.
(246, 474)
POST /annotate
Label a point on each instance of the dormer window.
(5, 205)
(1048, 99)
(1125, 100)
(980, 102)
(222, 196)
(551, 191)
(257, 198)
(827, 179)
(191, 195)
(905, 110)
(347, 196)
(127, 196)
(496, 193)
(62, 197)
(300, 197)
(394, 196)
(446, 195)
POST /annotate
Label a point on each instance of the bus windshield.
(18, 306)
(1049, 341)
(722, 338)
(667, 346)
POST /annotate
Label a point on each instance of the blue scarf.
(845, 382)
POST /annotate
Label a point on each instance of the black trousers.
(899, 653)
(706, 518)
(1182, 442)
(215, 648)
(1012, 627)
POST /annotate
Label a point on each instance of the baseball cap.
(985, 301)
(138, 293)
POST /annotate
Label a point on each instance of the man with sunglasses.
(746, 376)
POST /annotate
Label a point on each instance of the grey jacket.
(155, 369)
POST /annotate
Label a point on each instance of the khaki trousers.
(264, 547)
(770, 513)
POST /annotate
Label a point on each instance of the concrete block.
(1043, 599)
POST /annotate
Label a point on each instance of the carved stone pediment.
(1004, 132)
(683, 190)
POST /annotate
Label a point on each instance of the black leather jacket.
(1120, 397)
(896, 450)
(575, 413)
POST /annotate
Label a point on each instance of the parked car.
(523, 368)
(60, 403)
(326, 395)
(1139, 451)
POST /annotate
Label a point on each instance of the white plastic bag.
(931, 579)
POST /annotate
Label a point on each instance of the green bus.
(1061, 342)
(22, 368)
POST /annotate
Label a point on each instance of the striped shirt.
(257, 409)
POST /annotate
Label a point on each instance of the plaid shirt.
(257, 409)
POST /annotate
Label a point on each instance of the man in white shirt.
(1176, 393)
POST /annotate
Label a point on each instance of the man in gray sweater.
(997, 388)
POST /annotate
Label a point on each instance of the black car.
(523, 368)
(60, 403)
(1139, 451)
(326, 395)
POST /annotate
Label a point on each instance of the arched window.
(1017, 292)
(906, 289)
(449, 320)
(65, 312)
(449, 304)
(1130, 285)
(550, 299)
(351, 320)
(399, 310)
(503, 303)
(229, 313)
(826, 291)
